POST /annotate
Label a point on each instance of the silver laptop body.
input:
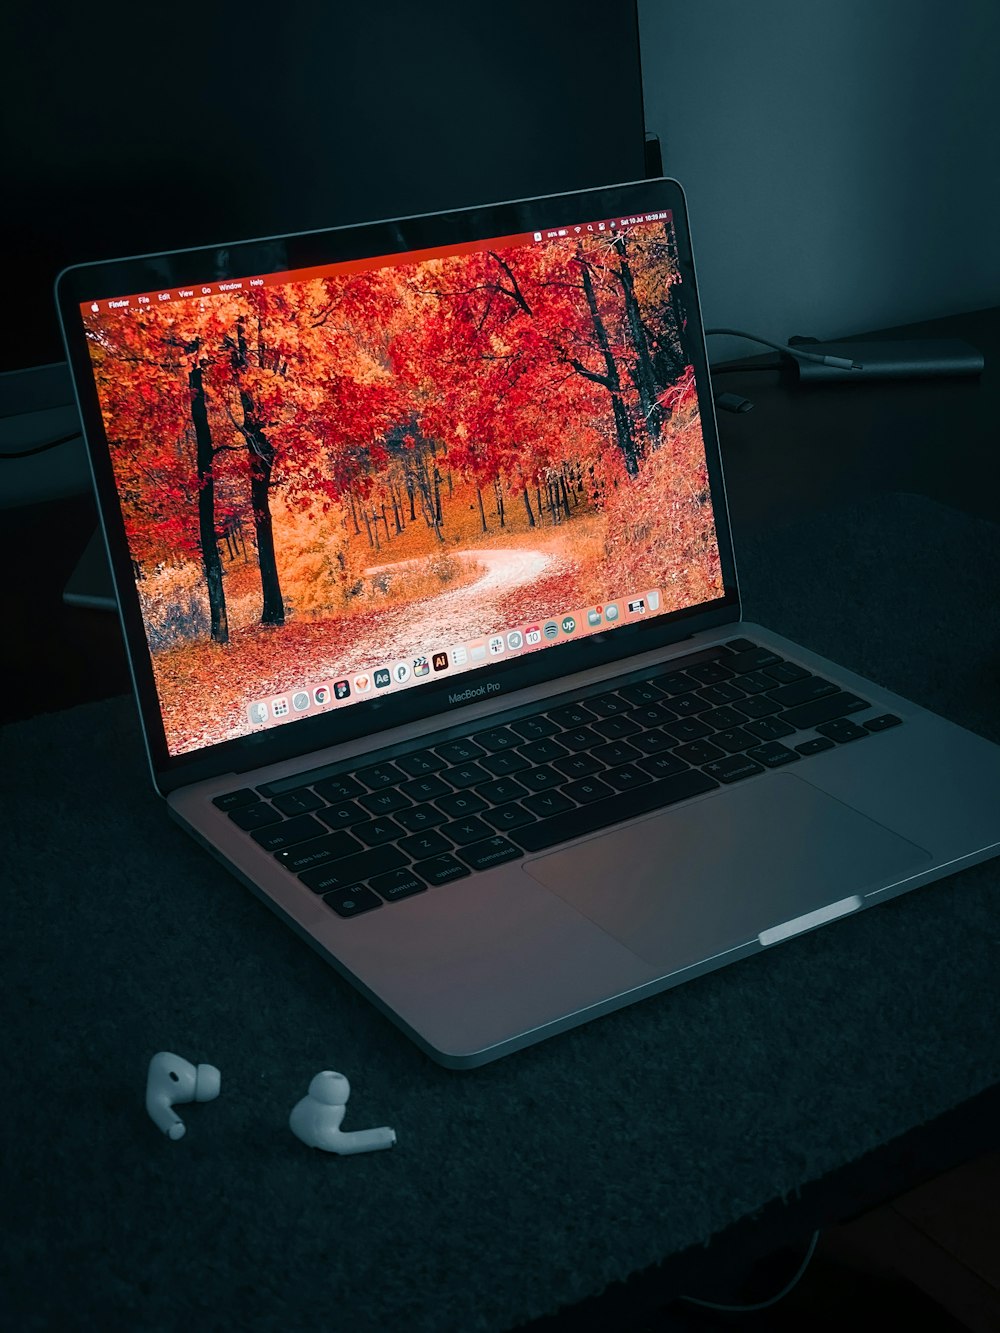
(526, 533)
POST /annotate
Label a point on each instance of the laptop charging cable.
(734, 402)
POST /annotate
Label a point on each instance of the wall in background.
(841, 161)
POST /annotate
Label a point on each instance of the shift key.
(362, 866)
(824, 710)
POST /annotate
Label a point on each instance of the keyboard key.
(578, 765)
(675, 683)
(734, 740)
(823, 710)
(652, 715)
(352, 901)
(466, 775)
(352, 869)
(541, 751)
(616, 728)
(752, 659)
(420, 845)
(291, 831)
(841, 731)
(424, 789)
(501, 791)
(655, 742)
(397, 884)
(769, 728)
(785, 672)
(757, 705)
(465, 831)
(460, 803)
(883, 722)
(684, 729)
(506, 817)
(580, 738)
(543, 778)
(441, 869)
(420, 762)
(231, 799)
(687, 705)
(626, 777)
(666, 765)
(733, 768)
(378, 831)
(534, 728)
(338, 789)
(616, 752)
(318, 851)
(608, 705)
(613, 810)
(420, 817)
(697, 752)
(506, 761)
(493, 852)
(255, 816)
(459, 752)
(722, 718)
(384, 802)
(343, 815)
(645, 692)
(570, 715)
(740, 645)
(815, 746)
(499, 738)
(755, 682)
(547, 803)
(380, 775)
(586, 790)
(297, 802)
(722, 693)
(772, 753)
(710, 673)
(802, 691)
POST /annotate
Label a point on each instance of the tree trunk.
(482, 511)
(261, 463)
(611, 379)
(261, 458)
(210, 559)
(645, 380)
(527, 506)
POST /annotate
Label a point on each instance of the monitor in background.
(130, 132)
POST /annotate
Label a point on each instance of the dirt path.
(455, 614)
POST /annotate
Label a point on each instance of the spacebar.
(613, 810)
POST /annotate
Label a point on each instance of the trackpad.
(685, 884)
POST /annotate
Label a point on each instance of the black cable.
(761, 1305)
(41, 448)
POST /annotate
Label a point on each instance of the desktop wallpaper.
(327, 480)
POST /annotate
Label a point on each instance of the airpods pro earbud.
(171, 1080)
(316, 1119)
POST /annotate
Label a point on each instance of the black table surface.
(598, 1174)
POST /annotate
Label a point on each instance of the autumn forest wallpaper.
(321, 477)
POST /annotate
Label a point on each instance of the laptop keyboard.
(364, 833)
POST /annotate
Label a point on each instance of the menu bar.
(227, 286)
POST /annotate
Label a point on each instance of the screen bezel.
(124, 277)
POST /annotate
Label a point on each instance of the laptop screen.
(346, 481)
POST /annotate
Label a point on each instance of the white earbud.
(171, 1080)
(316, 1119)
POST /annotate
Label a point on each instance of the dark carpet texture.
(514, 1189)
